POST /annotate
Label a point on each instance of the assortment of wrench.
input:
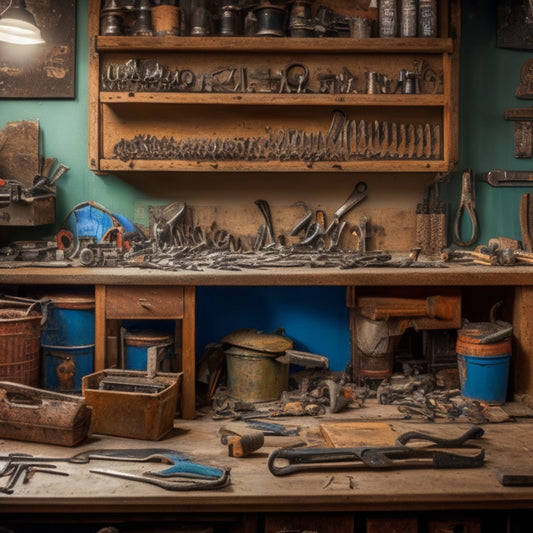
(142, 75)
(346, 140)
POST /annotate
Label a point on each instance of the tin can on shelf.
(427, 18)
(408, 18)
(388, 18)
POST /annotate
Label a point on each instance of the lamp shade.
(17, 25)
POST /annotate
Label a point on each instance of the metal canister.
(230, 20)
(166, 19)
(270, 20)
(408, 23)
(388, 18)
(427, 18)
(111, 19)
(143, 24)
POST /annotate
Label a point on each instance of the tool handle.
(297, 459)
(453, 460)
(475, 432)
(190, 470)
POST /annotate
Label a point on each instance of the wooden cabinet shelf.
(269, 99)
(150, 165)
(274, 104)
(267, 45)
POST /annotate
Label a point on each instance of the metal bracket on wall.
(523, 130)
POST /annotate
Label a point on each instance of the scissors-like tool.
(468, 204)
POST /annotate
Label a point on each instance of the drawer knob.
(143, 302)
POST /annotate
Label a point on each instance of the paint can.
(137, 345)
(483, 368)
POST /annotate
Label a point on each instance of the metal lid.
(254, 340)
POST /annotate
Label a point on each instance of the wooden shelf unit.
(206, 112)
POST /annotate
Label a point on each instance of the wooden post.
(522, 359)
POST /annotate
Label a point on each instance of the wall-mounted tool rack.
(272, 104)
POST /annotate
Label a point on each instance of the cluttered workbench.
(253, 497)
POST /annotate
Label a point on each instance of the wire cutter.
(468, 204)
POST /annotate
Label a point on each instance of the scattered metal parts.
(15, 469)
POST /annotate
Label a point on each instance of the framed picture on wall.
(515, 24)
(47, 69)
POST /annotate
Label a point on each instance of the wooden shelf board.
(371, 165)
(274, 44)
(399, 100)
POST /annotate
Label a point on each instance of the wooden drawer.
(309, 522)
(144, 301)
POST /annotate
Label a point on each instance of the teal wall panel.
(489, 77)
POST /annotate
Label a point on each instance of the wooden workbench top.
(445, 274)
(254, 488)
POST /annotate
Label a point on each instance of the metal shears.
(468, 204)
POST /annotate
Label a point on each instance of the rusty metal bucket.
(254, 376)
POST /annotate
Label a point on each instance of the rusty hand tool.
(317, 229)
(265, 211)
(358, 194)
(507, 178)
(468, 204)
(28, 468)
(174, 484)
(381, 457)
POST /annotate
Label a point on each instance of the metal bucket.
(137, 344)
(64, 367)
(254, 376)
(20, 342)
(483, 368)
(69, 321)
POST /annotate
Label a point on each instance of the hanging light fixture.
(17, 25)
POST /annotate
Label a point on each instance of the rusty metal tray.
(37, 415)
(137, 415)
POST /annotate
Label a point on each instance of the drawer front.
(141, 301)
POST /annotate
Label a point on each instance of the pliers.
(468, 204)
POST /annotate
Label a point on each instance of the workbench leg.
(188, 361)
(100, 335)
(522, 360)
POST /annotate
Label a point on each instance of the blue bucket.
(136, 346)
(69, 321)
(64, 366)
(484, 370)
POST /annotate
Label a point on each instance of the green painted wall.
(489, 78)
